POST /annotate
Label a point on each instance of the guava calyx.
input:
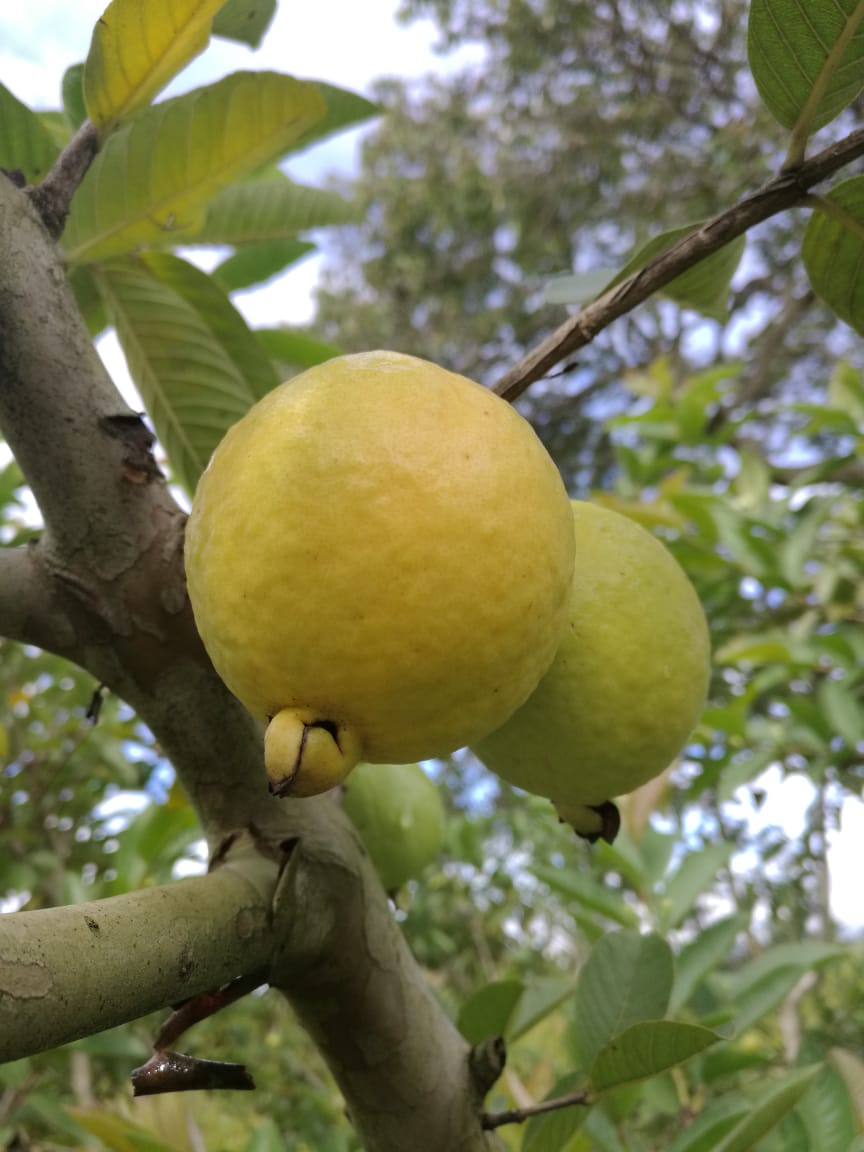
(592, 822)
(305, 755)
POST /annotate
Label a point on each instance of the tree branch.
(29, 611)
(785, 191)
(69, 972)
(53, 197)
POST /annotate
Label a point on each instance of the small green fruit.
(398, 812)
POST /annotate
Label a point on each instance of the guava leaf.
(833, 251)
(244, 20)
(807, 59)
(256, 263)
(25, 142)
(646, 1049)
(136, 49)
(192, 389)
(626, 979)
(152, 182)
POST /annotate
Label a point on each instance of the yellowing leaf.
(159, 173)
(136, 49)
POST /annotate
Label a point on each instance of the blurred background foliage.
(578, 132)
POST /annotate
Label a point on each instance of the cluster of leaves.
(199, 170)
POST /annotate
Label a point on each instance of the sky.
(350, 43)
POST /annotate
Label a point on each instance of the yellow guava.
(398, 812)
(379, 559)
(627, 684)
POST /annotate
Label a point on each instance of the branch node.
(52, 198)
(139, 465)
(486, 1062)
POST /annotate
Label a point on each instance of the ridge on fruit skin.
(379, 557)
(626, 687)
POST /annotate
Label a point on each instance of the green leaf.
(762, 998)
(626, 979)
(540, 997)
(25, 143)
(117, 1133)
(758, 649)
(807, 59)
(266, 1137)
(711, 1126)
(88, 299)
(701, 956)
(151, 183)
(833, 252)
(244, 20)
(767, 1110)
(846, 391)
(705, 286)
(800, 955)
(648, 1049)
(696, 873)
(272, 209)
(192, 390)
(588, 893)
(344, 110)
(553, 1131)
(850, 1067)
(826, 1112)
(136, 49)
(292, 347)
(843, 710)
(257, 263)
(226, 325)
(72, 89)
(577, 287)
(488, 1011)
(800, 546)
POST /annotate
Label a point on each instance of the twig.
(203, 1006)
(492, 1120)
(789, 189)
(53, 197)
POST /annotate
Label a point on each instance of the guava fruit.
(398, 812)
(626, 687)
(379, 558)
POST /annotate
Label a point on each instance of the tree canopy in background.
(725, 414)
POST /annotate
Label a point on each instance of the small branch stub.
(169, 1071)
(53, 197)
(175, 1072)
